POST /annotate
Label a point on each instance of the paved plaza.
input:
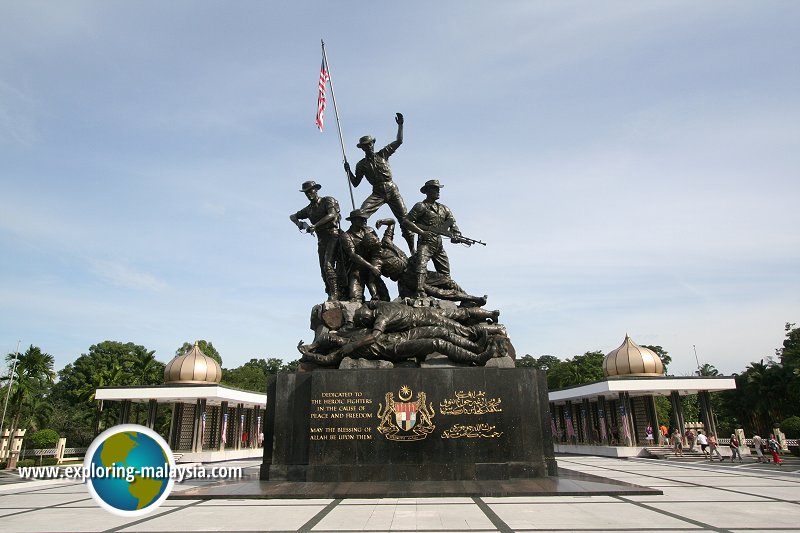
(697, 497)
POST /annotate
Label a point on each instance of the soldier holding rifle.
(423, 219)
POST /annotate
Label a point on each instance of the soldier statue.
(375, 167)
(323, 212)
(395, 265)
(362, 248)
(429, 219)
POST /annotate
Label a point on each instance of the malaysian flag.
(570, 427)
(626, 431)
(324, 76)
(225, 428)
(601, 415)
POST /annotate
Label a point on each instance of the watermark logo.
(129, 470)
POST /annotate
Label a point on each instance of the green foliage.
(544, 362)
(707, 370)
(256, 373)
(48, 461)
(205, 347)
(109, 363)
(578, 370)
(33, 375)
(791, 427)
(24, 463)
(661, 353)
(44, 438)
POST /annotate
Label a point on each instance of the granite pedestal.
(408, 424)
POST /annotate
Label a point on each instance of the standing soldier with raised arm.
(424, 217)
(323, 212)
(375, 167)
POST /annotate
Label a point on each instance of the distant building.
(609, 417)
(210, 422)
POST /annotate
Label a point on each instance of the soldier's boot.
(332, 287)
(421, 285)
(491, 329)
(455, 353)
(484, 314)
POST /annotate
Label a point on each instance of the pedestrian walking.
(677, 444)
(648, 435)
(713, 448)
(664, 434)
(757, 444)
(774, 448)
(734, 446)
(690, 438)
(703, 442)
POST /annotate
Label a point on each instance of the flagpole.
(338, 125)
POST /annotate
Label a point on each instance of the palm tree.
(707, 370)
(33, 373)
(143, 369)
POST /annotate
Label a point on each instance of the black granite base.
(442, 424)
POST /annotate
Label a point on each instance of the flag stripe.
(321, 100)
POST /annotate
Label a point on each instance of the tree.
(707, 370)
(32, 376)
(661, 353)
(256, 373)
(578, 370)
(543, 362)
(205, 347)
(108, 364)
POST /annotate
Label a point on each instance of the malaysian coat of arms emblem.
(405, 420)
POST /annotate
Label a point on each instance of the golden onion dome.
(193, 367)
(630, 359)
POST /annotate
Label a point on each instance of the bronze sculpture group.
(417, 324)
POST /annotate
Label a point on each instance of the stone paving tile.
(732, 515)
(536, 500)
(592, 516)
(233, 502)
(199, 518)
(29, 500)
(66, 520)
(699, 494)
(454, 517)
(405, 501)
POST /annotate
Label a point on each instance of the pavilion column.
(257, 417)
(197, 425)
(677, 414)
(152, 413)
(221, 429)
(625, 426)
(237, 431)
(653, 418)
(706, 413)
(125, 412)
(586, 422)
(174, 425)
(601, 420)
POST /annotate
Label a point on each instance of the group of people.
(709, 445)
(356, 260)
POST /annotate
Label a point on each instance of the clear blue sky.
(632, 165)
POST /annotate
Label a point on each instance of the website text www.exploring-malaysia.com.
(129, 473)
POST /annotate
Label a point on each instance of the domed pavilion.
(210, 422)
(610, 417)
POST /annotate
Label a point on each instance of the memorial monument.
(419, 387)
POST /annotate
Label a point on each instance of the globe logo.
(128, 470)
